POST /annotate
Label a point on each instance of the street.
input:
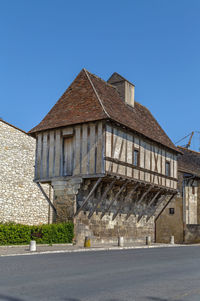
(158, 274)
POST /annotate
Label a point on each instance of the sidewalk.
(68, 248)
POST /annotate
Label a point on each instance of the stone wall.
(192, 234)
(20, 199)
(168, 224)
(70, 194)
(107, 230)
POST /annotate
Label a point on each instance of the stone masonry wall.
(107, 230)
(89, 221)
(20, 199)
(192, 234)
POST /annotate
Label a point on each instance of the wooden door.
(68, 156)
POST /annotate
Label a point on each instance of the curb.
(98, 249)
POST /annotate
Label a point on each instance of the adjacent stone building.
(21, 201)
(181, 218)
(111, 165)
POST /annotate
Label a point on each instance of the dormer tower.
(125, 89)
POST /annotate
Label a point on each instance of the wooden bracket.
(89, 195)
(123, 201)
(115, 198)
(149, 205)
(46, 197)
(156, 206)
(101, 199)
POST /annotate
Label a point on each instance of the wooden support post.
(100, 200)
(114, 199)
(46, 197)
(155, 196)
(173, 196)
(149, 205)
(89, 195)
(157, 205)
(127, 198)
(144, 194)
(131, 209)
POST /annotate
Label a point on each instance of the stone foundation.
(106, 230)
(65, 193)
(70, 194)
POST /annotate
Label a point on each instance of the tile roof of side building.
(89, 98)
(189, 162)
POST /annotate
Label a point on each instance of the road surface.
(159, 274)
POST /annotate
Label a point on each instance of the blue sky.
(153, 43)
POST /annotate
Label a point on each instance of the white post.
(148, 240)
(120, 241)
(32, 246)
(172, 240)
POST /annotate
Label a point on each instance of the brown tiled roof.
(189, 162)
(90, 98)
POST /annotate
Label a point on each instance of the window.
(193, 189)
(136, 157)
(171, 211)
(167, 169)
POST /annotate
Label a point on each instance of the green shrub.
(16, 234)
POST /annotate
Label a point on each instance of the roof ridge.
(13, 126)
(104, 81)
(95, 91)
(190, 150)
(122, 78)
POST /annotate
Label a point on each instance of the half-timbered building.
(111, 165)
(181, 217)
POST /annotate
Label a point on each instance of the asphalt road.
(159, 274)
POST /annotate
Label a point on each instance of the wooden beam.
(144, 194)
(130, 194)
(156, 206)
(128, 214)
(114, 199)
(131, 211)
(100, 200)
(89, 195)
(149, 205)
(173, 196)
(117, 161)
(46, 197)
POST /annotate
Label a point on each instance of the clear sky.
(153, 43)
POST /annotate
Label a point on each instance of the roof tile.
(90, 98)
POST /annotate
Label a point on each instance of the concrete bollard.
(120, 241)
(148, 240)
(87, 242)
(32, 246)
(172, 240)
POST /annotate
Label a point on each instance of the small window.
(136, 157)
(171, 211)
(167, 169)
(193, 189)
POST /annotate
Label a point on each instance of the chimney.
(125, 89)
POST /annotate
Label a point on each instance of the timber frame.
(105, 157)
(141, 198)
